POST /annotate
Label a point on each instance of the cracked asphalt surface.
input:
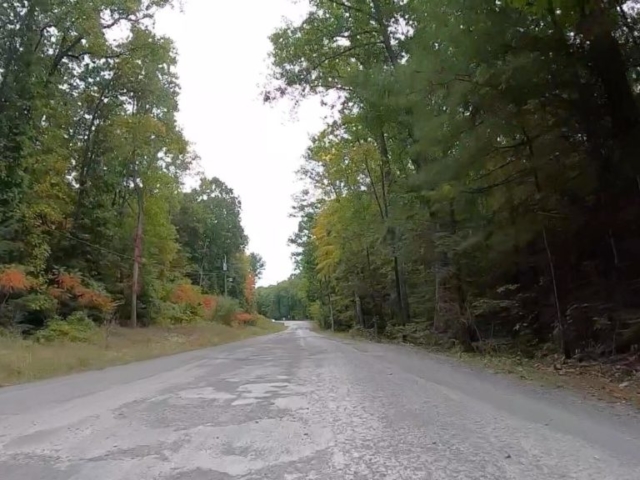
(298, 405)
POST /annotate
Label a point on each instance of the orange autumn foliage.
(68, 282)
(250, 289)
(69, 285)
(88, 298)
(13, 280)
(58, 293)
(209, 303)
(244, 318)
(186, 294)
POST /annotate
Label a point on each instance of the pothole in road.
(262, 390)
(241, 449)
(205, 393)
(281, 395)
(245, 401)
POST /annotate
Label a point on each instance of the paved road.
(298, 405)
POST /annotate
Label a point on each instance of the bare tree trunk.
(559, 318)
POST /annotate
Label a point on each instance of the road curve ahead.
(298, 405)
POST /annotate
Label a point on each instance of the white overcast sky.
(254, 148)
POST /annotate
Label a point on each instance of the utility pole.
(224, 269)
(137, 257)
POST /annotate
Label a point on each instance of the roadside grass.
(609, 383)
(346, 335)
(24, 360)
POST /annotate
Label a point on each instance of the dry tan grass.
(23, 360)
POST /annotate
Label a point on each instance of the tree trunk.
(87, 154)
(387, 181)
(607, 62)
(560, 326)
(402, 304)
(384, 33)
(358, 304)
(333, 326)
(136, 260)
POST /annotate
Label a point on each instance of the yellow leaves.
(327, 249)
(339, 164)
(365, 152)
(447, 191)
(343, 230)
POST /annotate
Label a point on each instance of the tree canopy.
(94, 212)
(478, 177)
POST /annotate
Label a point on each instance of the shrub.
(14, 280)
(186, 294)
(78, 327)
(245, 319)
(75, 293)
(315, 311)
(188, 299)
(209, 304)
(39, 303)
(35, 308)
(21, 310)
(173, 314)
(226, 310)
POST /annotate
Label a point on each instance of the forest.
(283, 301)
(477, 181)
(105, 216)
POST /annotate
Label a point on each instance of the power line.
(127, 257)
(98, 247)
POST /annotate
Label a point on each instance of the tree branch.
(346, 6)
(129, 18)
(41, 37)
(509, 179)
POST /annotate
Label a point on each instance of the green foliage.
(209, 228)
(283, 301)
(470, 186)
(257, 264)
(93, 170)
(173, 314)
(226, 310)
(78, 327)
(37, 303)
